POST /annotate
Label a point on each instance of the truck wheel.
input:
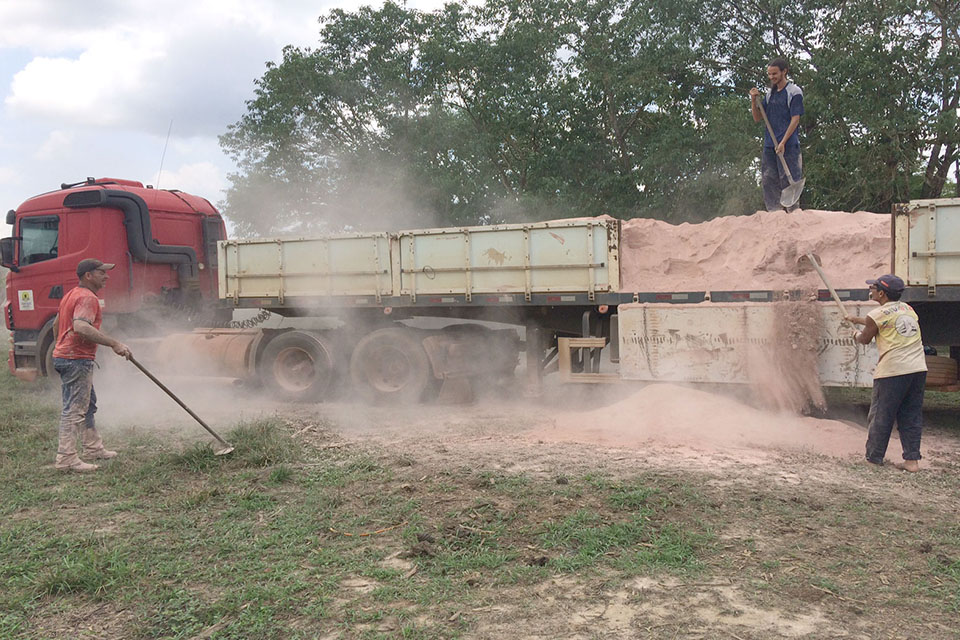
(391, 366)
(299, 366)
(941, 371)
(47, 353)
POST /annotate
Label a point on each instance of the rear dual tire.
(390, 366)
(941, 371)
(300, 366)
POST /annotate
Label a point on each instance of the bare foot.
(908, 465)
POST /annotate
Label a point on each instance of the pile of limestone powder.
(763, 252)
(755, 252)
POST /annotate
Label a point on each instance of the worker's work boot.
(77, 466)
(93, 445)
(67, 458)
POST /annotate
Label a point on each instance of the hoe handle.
(773, 137)
(813, 260)
(178, 401)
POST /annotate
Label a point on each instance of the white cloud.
(90, 87)
(10, 176)
(139, 82)
(199, 178)
(140, 63)
(57, 144)
(50, 26)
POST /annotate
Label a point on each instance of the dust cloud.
(746, 252)
(130, 403)
(784, 372)
(348, 197)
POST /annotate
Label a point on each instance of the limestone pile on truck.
(575, 286)
(755, 252)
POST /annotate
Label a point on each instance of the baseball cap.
(92, 264)
(889, 283)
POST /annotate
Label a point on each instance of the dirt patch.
(804, 531)
(83, 619)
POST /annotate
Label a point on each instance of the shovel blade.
(790, 196)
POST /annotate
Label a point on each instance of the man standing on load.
(783, 104)
(901, 373)
(77, 328)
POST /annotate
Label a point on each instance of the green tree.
(880, 90)
(533, 109)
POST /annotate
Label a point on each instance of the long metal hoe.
(227, 447)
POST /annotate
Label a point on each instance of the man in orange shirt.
(78, 333)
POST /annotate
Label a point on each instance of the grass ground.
(289, 539)
(176, 543)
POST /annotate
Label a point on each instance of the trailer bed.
(497, 264)
(715, 343)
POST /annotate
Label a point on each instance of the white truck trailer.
(560, 281)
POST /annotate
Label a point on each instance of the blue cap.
(889, 283)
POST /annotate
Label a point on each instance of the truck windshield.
(39, 237)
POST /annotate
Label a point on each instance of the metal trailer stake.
(227, 447)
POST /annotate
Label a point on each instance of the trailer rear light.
(603, 308)
(387, 311)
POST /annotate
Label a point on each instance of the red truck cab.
(162, 241)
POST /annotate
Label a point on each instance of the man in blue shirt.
(783, 103)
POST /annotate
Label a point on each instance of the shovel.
(227, 447)
(790, 196)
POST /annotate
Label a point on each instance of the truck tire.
(390, 366)
(299, 366)
(941, 371)
(46, 352)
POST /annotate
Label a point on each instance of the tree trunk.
(938, 167)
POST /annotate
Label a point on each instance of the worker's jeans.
(900, 399)
(79, 398)
(773, 178)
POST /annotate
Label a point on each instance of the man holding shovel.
(781, 167)
(77, 328)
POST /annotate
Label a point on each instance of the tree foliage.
(533, 109)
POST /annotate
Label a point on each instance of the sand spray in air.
(784, 371)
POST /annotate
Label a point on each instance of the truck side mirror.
(6, 254)
(11, 217)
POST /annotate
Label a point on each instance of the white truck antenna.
(164, 154)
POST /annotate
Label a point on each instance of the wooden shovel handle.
(773, 137)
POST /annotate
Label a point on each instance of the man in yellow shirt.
(901, 373)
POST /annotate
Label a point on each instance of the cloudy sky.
(91, 87)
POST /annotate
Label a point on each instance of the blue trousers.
(79, 398)
(773, 177)
(896, 399)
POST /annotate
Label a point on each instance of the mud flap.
(458, 390)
